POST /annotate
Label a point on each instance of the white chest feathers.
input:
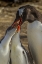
(4, 46)
(34, 33)
(18, 54)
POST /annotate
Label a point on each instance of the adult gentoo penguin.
(18, 53)
(4, 46)
(34, 30)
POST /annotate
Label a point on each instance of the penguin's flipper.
(25, 55)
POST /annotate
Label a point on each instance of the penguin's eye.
(22, 15)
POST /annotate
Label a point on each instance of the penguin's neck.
(16, 39)
(5, 42)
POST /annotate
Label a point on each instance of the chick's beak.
(18, 28)
(17, 22)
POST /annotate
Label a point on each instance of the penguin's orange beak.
(18, 28)
(17, 22)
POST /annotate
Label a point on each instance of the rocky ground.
(7, 16)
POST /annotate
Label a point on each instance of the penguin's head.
(19, 14)
(26, 13)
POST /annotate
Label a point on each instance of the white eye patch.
(21, 11)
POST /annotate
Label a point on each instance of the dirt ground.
(7, 16)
